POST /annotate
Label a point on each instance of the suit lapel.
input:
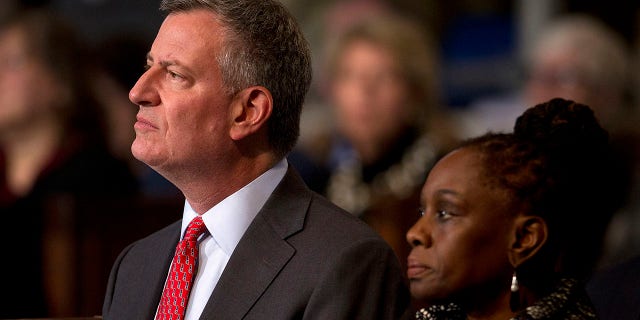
(155, 274)
(262, 252)
(141, 273)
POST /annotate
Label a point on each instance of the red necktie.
(176, 290)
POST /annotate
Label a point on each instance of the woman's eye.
(421, 212)
(443, 214)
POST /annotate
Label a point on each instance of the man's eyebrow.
(163, 63)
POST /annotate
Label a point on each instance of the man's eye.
(421, 212)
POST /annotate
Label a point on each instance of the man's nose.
(144, 92)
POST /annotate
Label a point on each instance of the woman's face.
(369, 94)
(460, 244)
(29, 89)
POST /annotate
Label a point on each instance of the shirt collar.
(228, 220)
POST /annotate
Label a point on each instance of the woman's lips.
(415, 268)
(414, 272)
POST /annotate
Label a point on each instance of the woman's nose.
(418, 235)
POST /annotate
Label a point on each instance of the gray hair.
(600, 51)
(264, 46)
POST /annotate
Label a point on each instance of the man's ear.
(251, 109)
(529, 235)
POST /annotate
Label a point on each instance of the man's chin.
(145, 155)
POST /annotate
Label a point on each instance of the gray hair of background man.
(599, 50)
(264, 46)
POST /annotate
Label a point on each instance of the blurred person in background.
(575, 57)
(382, 84)
(615, 290)
(580, 58)
(54, 160)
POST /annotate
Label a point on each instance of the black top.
(616, 291)
(77, 174)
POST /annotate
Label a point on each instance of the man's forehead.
(186, 33)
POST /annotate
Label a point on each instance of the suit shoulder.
(336, 224)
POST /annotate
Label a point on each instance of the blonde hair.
(409, 45)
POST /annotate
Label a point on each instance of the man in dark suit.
(219, 107)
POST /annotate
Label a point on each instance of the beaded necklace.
(347, 189)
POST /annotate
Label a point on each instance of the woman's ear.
(529, 235)
(250, 111)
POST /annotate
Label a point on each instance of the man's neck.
(204, 191)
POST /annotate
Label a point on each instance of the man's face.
(183, 122)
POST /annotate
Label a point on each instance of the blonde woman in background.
(382, 85)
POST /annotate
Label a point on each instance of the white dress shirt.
(226, 223)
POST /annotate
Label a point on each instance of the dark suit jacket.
(616, 292)
(301, 258)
